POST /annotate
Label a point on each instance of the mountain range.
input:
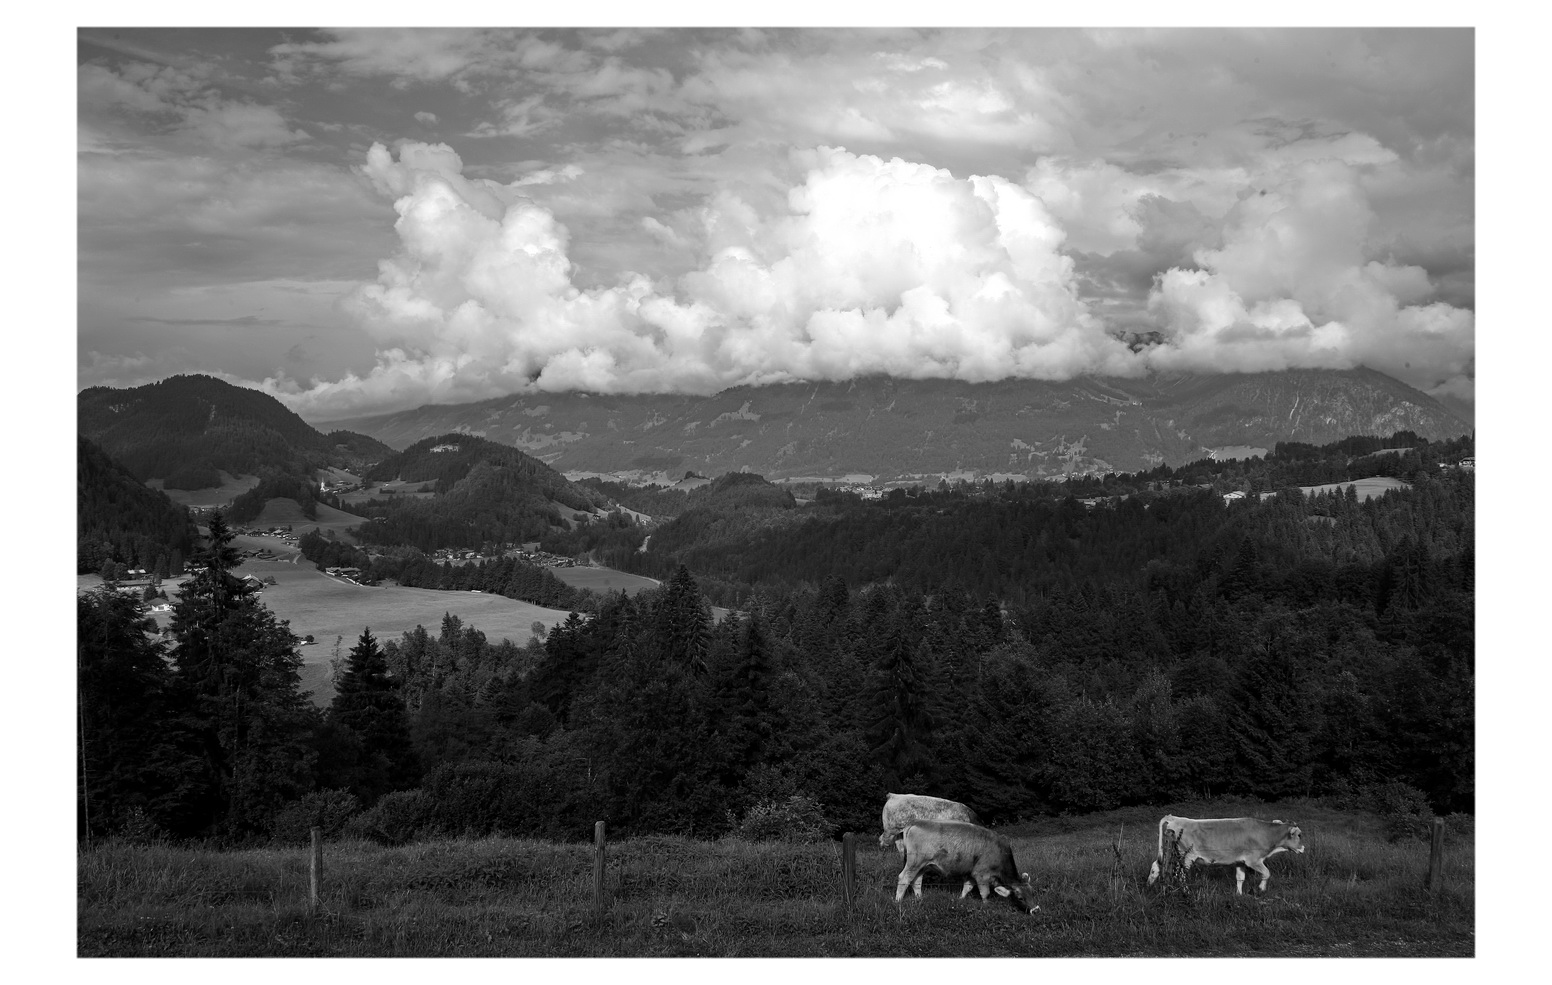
(885, 428)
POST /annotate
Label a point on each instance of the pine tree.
(368, 705)
(239, 668)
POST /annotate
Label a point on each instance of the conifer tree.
(367, 703)
(239, 668)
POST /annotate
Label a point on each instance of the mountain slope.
(117, 515)
(891, 428)
(186, 428)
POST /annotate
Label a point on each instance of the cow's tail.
(1155, 870)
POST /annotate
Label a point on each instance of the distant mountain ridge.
(891, 428)
(185, 429)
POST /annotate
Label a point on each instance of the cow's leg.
(985, 887)
(916, 887)
(1239, 880)
(1265, 873)
(911, 872)
(969, 885)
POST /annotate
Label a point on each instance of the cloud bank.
(873, 266)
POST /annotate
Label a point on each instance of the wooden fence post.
(599, 850)
(1436, 857)
(315, 873)
(849, 868)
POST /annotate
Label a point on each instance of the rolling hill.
(186, 430)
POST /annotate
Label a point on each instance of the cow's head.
(887, 839)
(1293, 841)
(1021, 894)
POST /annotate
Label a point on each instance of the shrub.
(330, 810)
(797, 818)
(396, 818)
(1403, 809)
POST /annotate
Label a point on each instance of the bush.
(396, 818)
(330, 810)
(798, 818)
(1403, 809)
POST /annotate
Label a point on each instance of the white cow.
(1224, 840)
(903, 809)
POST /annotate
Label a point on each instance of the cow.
(961, 849)
(1223, 840)
(901, 809)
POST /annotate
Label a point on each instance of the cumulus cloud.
(1293, 285)
(868, 266)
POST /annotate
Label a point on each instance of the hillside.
(484, 491)
(186, 430)
(118, 518)
(889, 428)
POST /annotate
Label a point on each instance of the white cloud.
(1293, 286)
(868, 266)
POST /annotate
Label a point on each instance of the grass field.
(603, 580)
(1366, 488)
(288, 513)
(328, 607)
(1352, 894)
(231, 487)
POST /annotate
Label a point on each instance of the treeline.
(1018, 541)
(509, 576)
(1223, 672)
(120, 520)
(272, 485)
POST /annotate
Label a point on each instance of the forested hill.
(484, 492)
(119, 519)
(185, 429)
(1013, 542)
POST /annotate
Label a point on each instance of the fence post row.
(849, 868)
(599, 849)
(1436, 856)
(315, 872)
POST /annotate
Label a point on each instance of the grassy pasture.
(326, 607)
(230, 488)
(288, 513)
(603, 580)
(1366, 488)
(1353, 894)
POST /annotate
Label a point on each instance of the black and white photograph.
(777, 491)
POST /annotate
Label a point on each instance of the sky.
(363, 220)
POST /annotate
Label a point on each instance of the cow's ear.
(1002, 891)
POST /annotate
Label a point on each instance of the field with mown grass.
(1352, 894)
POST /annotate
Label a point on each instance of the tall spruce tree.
(135, 758)
(367, 703)
(240, 670)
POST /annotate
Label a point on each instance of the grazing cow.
(1223, 840)
(903, 809)
(958, 848)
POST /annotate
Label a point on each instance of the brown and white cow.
(904, 809)
(1223, 840)
(960, 849)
